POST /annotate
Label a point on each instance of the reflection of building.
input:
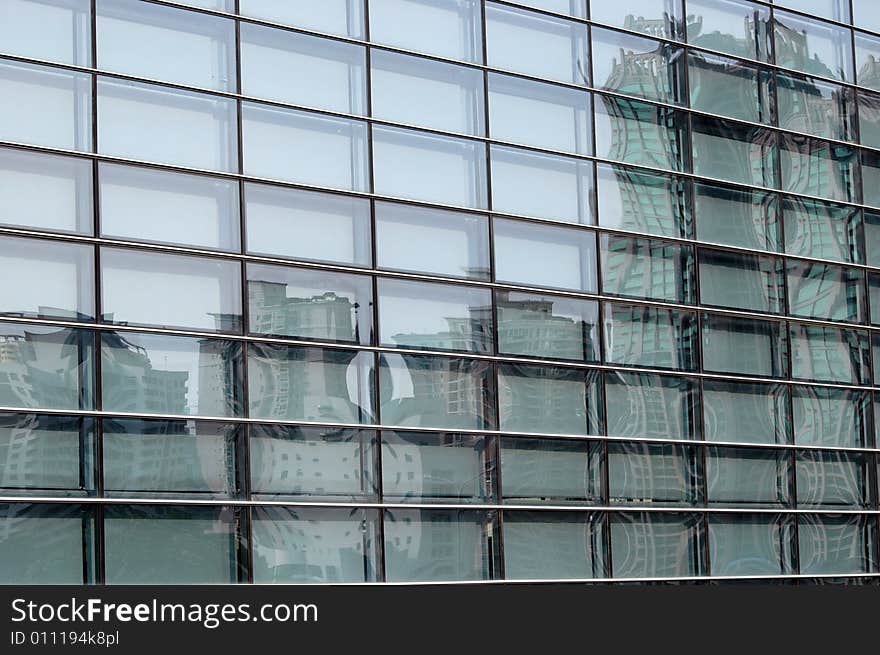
(41, 368)
(323, 316)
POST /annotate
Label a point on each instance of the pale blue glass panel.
(342, 17)
(447, 28)
(56, 30)
(812, 47)
(867, 66)
(737, 27)
(660, 18)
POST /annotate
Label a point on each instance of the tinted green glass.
(553, 545)
(744, 346)
(654, 406)
(641, 268)
(649, 336)
(551, 471)
(741, 281)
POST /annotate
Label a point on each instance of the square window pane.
(744, 346)
(729, 87)
(551, 471)
(750, 544)
(815, 107)
(820, 229)
(826, 292)
(655, 544)
(649, 336)
(870, 174)
(638, 201)
(643, 268)
(867, 49)
(450, 29)
(828, 478)
(813, 47)
(56, 30)
(865, 14)
(748, 477)
(869, 119)
(553, 545)
(740, 281)
(837, 544)
(729, 151)
(737, 217)
(737, 27)
(640, 473)
(825, 416)
(342, 17)
(746, 412)
(829, 354)
(817, 168)
(651, 406)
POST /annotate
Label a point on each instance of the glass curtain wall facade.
(423, 290)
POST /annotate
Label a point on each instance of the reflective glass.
(829, 354)
(53, 279)
(435, 316)
(545, 255)
(145, 288)
(146, 544)
(832, 9)
(819, 229)
(436, 467)
(655, 544)
(447, 28)
(312, 463)
(729, 87)
(748, 477)
(736, 217)
(817, 168)
(825, 416)
(551, 471)
(869, 119)
(457, 166)
(197, 49)
(150, 205)
(302, 545)
(867, 51)
(750, 544)
(872, 237)
(438, 544)
(514, 35)
(653, 17)
(649, 336)
(870, 173)
(575, 8)
(640, 473)
(741, 281)
(411, 238)
(342, 17)
(155, 458)
(337, 147)
(294, 383)
(744, 346)
(553, 545)
(543, 185)
(549, 399)
(651, 406)
(874, 297)
(436, 392)
(309, 304)
(299, 224)
(427, 93)
(825, 292)
(56, 30)
(827, 478)
(815, 107)
(642, 268)
(45, 192)
(52, 107)
(865, 14)
(47, 367)
(813, 47)
(553, 327)
(302, 70)
(746, 412)
(737, 27)
(837, 543)
(174, 126)
(639, 201)
(737, 153)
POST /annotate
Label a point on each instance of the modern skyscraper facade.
(420, 290)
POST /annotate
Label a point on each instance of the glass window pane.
(56, 30)
(831, 9)
(553, 327)
(43, 191)
(736, 217)
(342, 17)
(815, 107)
(828, 354)
(337, 147)
(146, 544)
(551, 471)
(162, 374)
(637, 67)
(827, 478)
(653, 544)
(435, 316)
(542, 185)
(411, 238)
(813, 47)
(513, 36)
(545, 255)
(819, 229)
(826, 292)
(46, 544)
(301, 544)
(553, 545)
(737, 27)
(729, 151)
(651, 406)
(309, 304)
(439, 27)
(867, 50)
(46, 455)
(872, 237)
(174, 127)
(150, 205)
(649, 336)
(870, 172)
(643, 268)
(817, 168)
(436, 467)
(53, 279)
(640, 473)
(156, 458)
(739, 281)
(865, 14)
(427, 93)
(46, 367)
(744, 346)
(750, 544)
(438, 544)
(837, 543)
(197, 49)
(52, 107)
(869, 119)
(574, 8)
(306, 463)
(302, 70)
(825, 416)
(293, 383)
(298, 224)
(549, 399)
(745, 412)
(638, 133)
(874, 297)
(729, 87)
(653, 17)
(537, 114)
(457, 166)
(144, 288)
(748, 477)
(642, 202)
